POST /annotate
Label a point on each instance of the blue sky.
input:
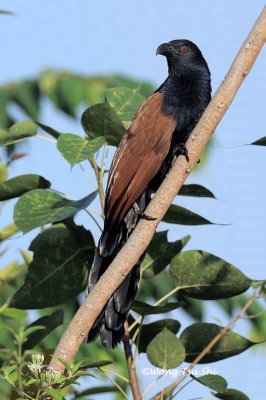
(104, 37)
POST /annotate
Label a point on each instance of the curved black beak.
(164, 49)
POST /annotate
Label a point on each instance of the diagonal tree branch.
(142, 235)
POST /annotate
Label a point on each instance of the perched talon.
(148, 217)
(182, 150)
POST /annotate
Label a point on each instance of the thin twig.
(114, 383)
(133, 379)
(144, 231)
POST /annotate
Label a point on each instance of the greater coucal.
(143, 158)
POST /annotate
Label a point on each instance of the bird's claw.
(148, 217)
(182, 150)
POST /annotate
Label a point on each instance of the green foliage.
(165, 350)
(214, 382)
(231, 394)
(55, 271)
(40, 207)
(102, 120)
(204, 276)
(260, 142)
(17, 132)
(148, 331)
(65, 258)
(195, 191)
(182, 216)
(159, 254)
(146, 309)
(197, 336)
(19, 185)
(76, 149)
(125, 101)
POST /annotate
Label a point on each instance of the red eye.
(184, 48)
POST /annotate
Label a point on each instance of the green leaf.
(165, 350)
(4, 99)
(182, 216)
(96, 390)
(146, 309)
(260, 142)
(19, 185)
(212, 381)
(8, 231)
(17, 132)
(125, 101)
(59, 270)
(14, 313)
(102, 120)
(159, 254)
(195, 190)
(49, 323)
(197, 336)
(39, 207)
(70, 92)
(6, 12)
(149, 331)
(76, 149)
(231, 394)
(204, 276)
(3, 169)
(26, 95)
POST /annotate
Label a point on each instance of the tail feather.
(110, 324)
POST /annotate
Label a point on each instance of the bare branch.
(142, 235)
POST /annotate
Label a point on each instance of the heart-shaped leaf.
(102, 120)
(166, 350)
(76, 149)
(125, 101)
(149, 331)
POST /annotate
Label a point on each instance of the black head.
(183, 56)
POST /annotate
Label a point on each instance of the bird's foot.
(142, 214)
(147, 217)
(182, 150)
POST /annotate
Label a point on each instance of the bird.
(148, 148)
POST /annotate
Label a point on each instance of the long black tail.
(110, 323)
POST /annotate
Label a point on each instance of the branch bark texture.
(144, 231)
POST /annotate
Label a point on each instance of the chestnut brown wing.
(138, 158)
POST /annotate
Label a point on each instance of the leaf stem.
(45, 138)
(99, 178)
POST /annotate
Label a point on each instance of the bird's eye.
(184, 48)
